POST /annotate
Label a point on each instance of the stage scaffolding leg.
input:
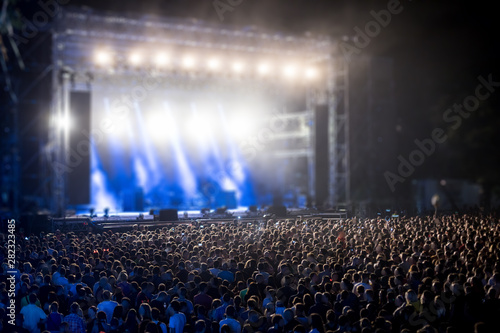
(59, 134)
(338, 131)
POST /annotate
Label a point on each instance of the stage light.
(159, 125)
(199, 126)
(311, 73)
(263, 68)
(161, 59)
(238, 66)
(103, 58)
(290, 71)
(63, 122)
(188, 62)
(213, 64)
(135, 58)
(241, 126)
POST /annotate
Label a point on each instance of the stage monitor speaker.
(221, 210)
(169, 215)
(279, 211)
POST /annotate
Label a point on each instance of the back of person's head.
(277, 319)
(252, 304)
(230, 311)
(200, 326)
(176, 305)
(318, 297)
(131, 316)
(427, 329)
(343, 320)
(151, 327)
(225, 328)
(145, 311)
(74, 307)
(316, 321)
(226, 298)
(299, 329)
(299, 308)
(32, 298)
(106, 295)
(54, 307)
(481, 327)
(331, 316)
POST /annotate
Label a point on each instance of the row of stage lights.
(214, 64)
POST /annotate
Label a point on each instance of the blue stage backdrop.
(169, 147)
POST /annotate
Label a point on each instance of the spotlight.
(213, 64)
(238, 66)
(263, 68)
(290, 71)
(103, 58)
(311, 73)
(199, 126)
(135, 59)
(188, 62)
(63, 122)
(161, 59)
(160, 126)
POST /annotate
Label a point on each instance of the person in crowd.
(33, 316)
(230, 320)
(76, 323)
(107, 305)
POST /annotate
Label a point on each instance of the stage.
(133, 220)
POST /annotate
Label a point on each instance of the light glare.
(263, 68)
(103, 57)
(238, 67)
(311, 73)
(214, 64)
(188, 62)
(290, 71)
(135, 58)
(161, 59)
(63, 122)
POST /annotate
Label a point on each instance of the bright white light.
(311, 73)
(199, 126)
(188, 62)
(161, 59)
(263, 68)
(135, 58)
(103, 57)
(238, 66)
(213, 64)
(241, 127)
(159, 125)
(120, 127)
(290, 71)
(63, 122)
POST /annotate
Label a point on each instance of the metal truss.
(78, 32)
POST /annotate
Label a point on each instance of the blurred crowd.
(410, 274)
